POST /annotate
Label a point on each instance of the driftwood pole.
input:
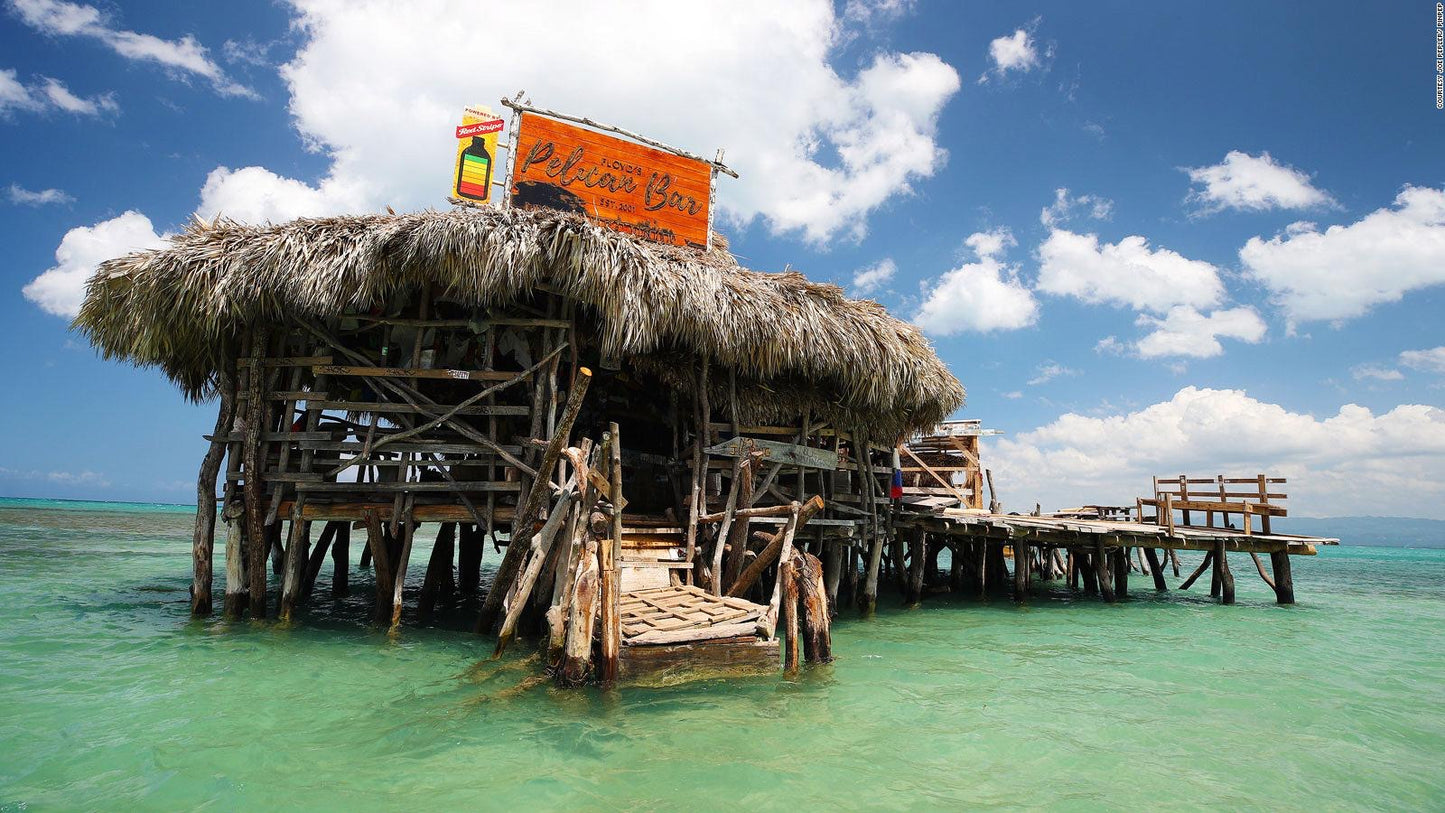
(772, 550)
(438, 569)
(699, 470)
(522, 525)
(1021, 568)
(341, 561)
(1121, 572)
(919, 553)
(581, 617)
(864, 467)
(541, 545)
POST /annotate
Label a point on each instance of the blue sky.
(1172, 310)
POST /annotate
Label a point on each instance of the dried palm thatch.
(791, 343)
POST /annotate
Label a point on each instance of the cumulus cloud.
(1017, 52)
(1253, 183)
(1185, 331)
(61, 289)
(980, 296)
(1066, 207)
(1391, 463)
(1127, 273)
(817, 153)
(185, 56)
(21, 196)
(1344, 271)
(1431, 361)
(869, 280)
(49, 94)
(65, 478)
(873, 12)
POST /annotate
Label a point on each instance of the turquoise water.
(112, 697)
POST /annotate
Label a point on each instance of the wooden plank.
(414, 372)
(389, 488)
(287, 361)
(788, 453)
(387, 408)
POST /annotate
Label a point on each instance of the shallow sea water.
(111, 697)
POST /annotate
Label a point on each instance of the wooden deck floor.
(685, 614)
(1071, 532)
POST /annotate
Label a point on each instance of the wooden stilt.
(788, 585)
(341, 561)
(1199, 571)
(833, 557)
(438, 578)
(610, 551)
(815, 626)
(203, 540)
(770, 552)
(1071, 569)
(1102, 570)
(978, 566)
(1216, 576)
(470, 546)
(1155, 569)
(408, 531)
(1021, 568)
(1121, 573)
(1088, 574)
(869, 600)
(541, 544)
(377, 543)
(296, 560)
(1226, 576)
(1174, 561)
(699, 464)
(318, 558)
(254, 490)
(919, 553)
(235, 601)
(1283, 577)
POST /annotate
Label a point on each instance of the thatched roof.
(790, 342)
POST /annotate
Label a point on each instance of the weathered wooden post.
(1226, 577)
(1152, 557)
(1283, 578)
(470, 545)
(919, 552)
(581, 618)
(254, 491)
(788, 585)
(815, 632)
(611, 550)
(1199, 571)
(341, 561)
(1021, 568)
(1121, 573)
(438, 569)
(203, 540)
(1101, 570)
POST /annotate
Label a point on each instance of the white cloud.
(1393, 463)
(61, 289)
(49, 94)
(817, 151)
(1253, 183)
(1049, 371)
(1014, 395)
(1344, 271)
(1126, 273)
(1066, 206)
(1187, 332)
(1376, 372)
(873, 12)
(870, 279)
(21, 196)
(1014, 52)
(184, 56)
(981, 296)
(1431, 361)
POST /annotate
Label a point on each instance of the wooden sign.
(476, 155)
(650, 193)
(789, 453)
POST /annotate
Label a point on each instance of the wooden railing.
(1247, 496)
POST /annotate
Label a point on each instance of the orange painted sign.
(628, 186)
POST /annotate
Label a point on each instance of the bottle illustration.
(474, 171)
